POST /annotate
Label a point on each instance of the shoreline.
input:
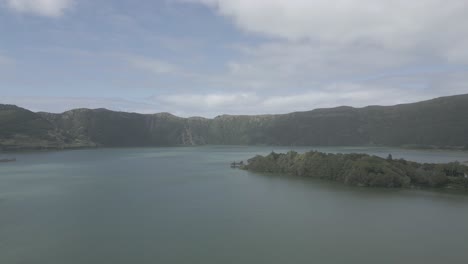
(21, 148)
(363, 170)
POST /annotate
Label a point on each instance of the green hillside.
(441, 122)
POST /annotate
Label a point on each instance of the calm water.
(185, 205)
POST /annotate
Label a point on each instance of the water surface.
(185, 205)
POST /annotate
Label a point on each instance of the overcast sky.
(209, 57)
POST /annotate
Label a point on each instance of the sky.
(212, 57)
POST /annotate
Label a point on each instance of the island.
(362, 170)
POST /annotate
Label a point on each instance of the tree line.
(362, 169)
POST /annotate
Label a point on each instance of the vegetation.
(438, 123)
(15, 120)
(362, 169)
(23, 129)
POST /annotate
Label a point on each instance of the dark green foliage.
(23, 129)
(15, 120)
(361, 169)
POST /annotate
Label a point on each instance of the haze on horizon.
(211, 57)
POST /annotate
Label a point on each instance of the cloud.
(313, 49)
(344, 21)
(209, 101)
(278, 66)
(387, 90)
(152, 65)
(397, 24)
(296, 55)
(49, 8)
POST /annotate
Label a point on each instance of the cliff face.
(440, 122)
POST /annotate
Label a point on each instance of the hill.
(23, 129)
(441, 122)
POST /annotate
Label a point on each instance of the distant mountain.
(441, 122)
(23, 129)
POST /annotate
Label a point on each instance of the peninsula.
(363, 170)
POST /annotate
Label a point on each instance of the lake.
(186, 205)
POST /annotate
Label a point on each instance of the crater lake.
(186, 205)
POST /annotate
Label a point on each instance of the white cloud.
(314, 48)
(209, 101)
(389, 90)
(152, 65)
(316, 53)
(345, 21)
(396, 24)
(49, 8)
(280, 66)
(339, 94)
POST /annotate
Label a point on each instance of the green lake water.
(186, 205)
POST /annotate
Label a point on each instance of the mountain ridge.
(440, 122)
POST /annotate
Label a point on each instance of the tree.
(389, 157)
